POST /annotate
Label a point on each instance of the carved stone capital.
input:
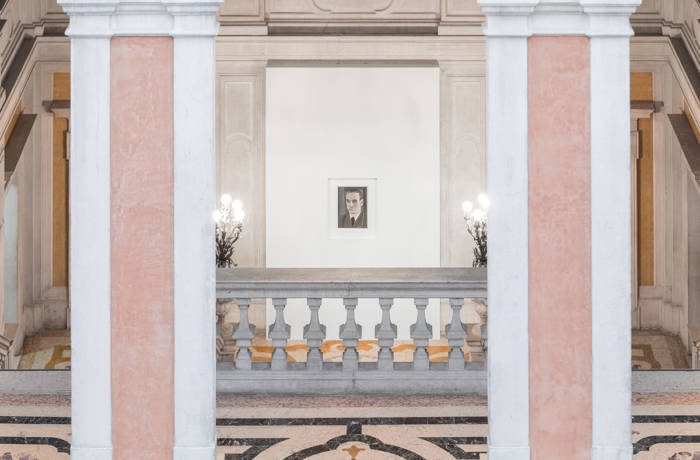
(177, 18)
(594, 18)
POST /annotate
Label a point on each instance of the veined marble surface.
(665, 426)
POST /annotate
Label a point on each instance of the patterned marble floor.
(656, 349)
(48, 350)
(665, 427)
(651, 349)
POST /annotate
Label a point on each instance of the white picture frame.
(336, 186)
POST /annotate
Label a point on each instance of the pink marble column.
(142, 247)
(559, 247)
(142, 275)
(559, 229)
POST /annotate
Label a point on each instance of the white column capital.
(513, 18)
(507, 18)
(176, 18)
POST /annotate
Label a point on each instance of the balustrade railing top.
(351, 282)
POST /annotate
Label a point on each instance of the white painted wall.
(353, 123)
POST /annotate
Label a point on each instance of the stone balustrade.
(436, 365)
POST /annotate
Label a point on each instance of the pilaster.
(611, 226)
(508, 387)
(178, 322)
(515, 125)
(194, 33)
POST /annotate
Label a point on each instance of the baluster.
(350, 332)
(244, 336)
(225, 332)
(314, 333)
(385, 332)
(484, 315)
(421, 332)
(456, 334)
(478, 348)
(279, 334)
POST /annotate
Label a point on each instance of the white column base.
(90, 453)
(509, 453)
(194, 453)
(611, 452)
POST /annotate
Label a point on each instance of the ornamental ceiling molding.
(322, 10)
(106, 18)
(357, 6)
(523, 18)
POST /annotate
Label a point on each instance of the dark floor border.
(24, 420)
(451, 445)
(63, 447)
(330, 421)
(644, 444)
(257, 445)
(666, 419)
(347, 420)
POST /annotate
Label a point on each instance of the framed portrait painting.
(353, 208)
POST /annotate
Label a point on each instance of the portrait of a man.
(352, 207)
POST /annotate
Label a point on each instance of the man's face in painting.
(354, 203)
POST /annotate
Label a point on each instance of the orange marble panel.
(61, 86)
(645, 200)
(60, 203)
(642, 86)
(642, 89)
(61, 91)
(142, 247)
(559, 247)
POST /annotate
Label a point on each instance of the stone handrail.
(346, 282)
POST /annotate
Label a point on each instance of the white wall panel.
(353, 123)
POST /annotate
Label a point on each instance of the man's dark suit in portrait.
(355, 215)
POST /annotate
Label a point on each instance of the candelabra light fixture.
(477, 223)
(229, 217)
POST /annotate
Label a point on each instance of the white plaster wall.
(353, 123)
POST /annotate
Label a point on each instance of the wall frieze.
(363, 49)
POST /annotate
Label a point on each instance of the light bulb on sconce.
(226, 199)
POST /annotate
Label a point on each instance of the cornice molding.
(177, 18)
(523, 18)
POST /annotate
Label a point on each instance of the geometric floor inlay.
(361, 428)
